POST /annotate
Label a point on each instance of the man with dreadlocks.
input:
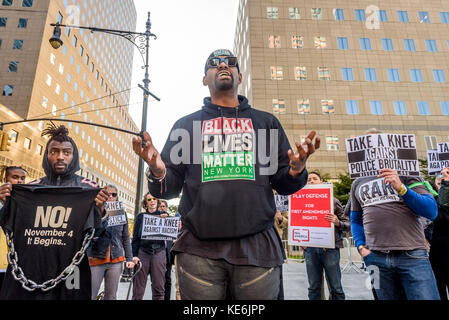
(60, 162)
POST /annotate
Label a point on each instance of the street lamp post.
(142, 42)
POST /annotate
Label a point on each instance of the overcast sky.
(187, 32)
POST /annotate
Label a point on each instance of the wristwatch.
(360, 247)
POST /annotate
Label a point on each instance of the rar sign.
(369, 153)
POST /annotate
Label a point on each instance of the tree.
(342, 188)
(424, 171)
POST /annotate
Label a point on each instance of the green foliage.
(424, 171)
(342, 187)
(172, 209)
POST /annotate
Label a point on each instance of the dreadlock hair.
(4, 171)
(60, 134)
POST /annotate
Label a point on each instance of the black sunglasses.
(215, 62)
(113, 195)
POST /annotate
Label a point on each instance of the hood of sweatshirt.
(73, 167)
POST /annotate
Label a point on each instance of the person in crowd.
(109, 248)
(60, 162)
(386, 228)
(228, 247)
(163, 207)
(12, 175)
(327, 259)
(439, 245)
(150, 253)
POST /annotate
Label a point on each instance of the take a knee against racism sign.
(438, 159)
(369, 153)
(307, 225)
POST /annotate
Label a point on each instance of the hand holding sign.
(5, 191)
(391, 177)
(445, 173)
(304, 150)
(149, 154)
(102, 197)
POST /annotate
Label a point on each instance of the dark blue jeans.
(317, 260)
(400, 275)
(206, 279)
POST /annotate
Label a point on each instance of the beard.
(224, 85)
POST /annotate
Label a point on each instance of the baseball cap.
(219, 53)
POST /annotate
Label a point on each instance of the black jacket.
(229, 207)
(116, 237)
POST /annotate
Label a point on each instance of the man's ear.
(205, 81)
(240, 78)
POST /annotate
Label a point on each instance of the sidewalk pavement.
(295, 284)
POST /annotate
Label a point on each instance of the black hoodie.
(225, 196)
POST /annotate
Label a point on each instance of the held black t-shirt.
(48, 226)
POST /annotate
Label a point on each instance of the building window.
(303, 106)
(352, 107)
(297, 42)
(423, 108)
(438, 75)
(444, 108)
(365, 44)
(409, 45)
(23, 23)
(3, 21)
(331, 142)
(416, 75)
(327, 106)
(81, 50)
(342, 43)
(279, 106)
(360, 14)
(272, 13)
(387, 44)
(14, 135)
(431, 142)
(86, 59)
(316, 13)
(444, 17)
(74, 40)
(399, 108)
(276, 73)
(320, 42)
(44, 101)
(324, 73)
(273, 42)
(393, 75)
(370, 74)
(7, 90)
(13, 65)
(346, 74)
(300, 73)
(18, 44)
(52, 58)
(376, 107)
(27, 3)
(7, 3)
(423, 17)
(431, 45)
(48, 80)
(339, 14)
(402, 16)
(39, 149)
(27, 143)
(382, 15)
(293, 13)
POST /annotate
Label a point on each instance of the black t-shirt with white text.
(48, 225)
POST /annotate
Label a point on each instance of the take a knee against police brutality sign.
(368, 154)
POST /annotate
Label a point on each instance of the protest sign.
(443, 154)
(433, 163)
(281, 202)
(116, 213)
(156, 228)
(369, 153)
(307, 225)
